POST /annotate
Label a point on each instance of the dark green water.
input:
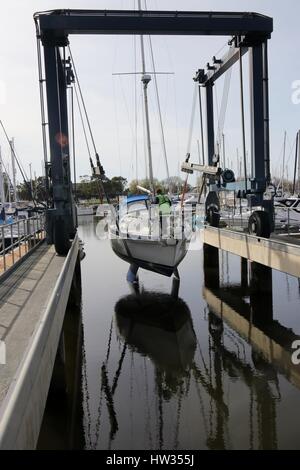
(210, 369)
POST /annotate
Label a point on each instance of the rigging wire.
(117, 127)
(7, 174)
(132, 130)
(144, 136)
(73, 141)
(85, 391)
(192, 119)
(98, 182)
(243, 118)
(224, 104)
(217, 120)
(100, 168)
(42, 108)
(135, 102)
(100, 174)
(295, 162)
(201, 125)
(82, 122)
(82, 101)
(188, 153)
(41, 89)
(163, 140)
(98, 422)
(171, 66)
(21, 169)
(20, 166)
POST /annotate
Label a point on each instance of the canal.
(210, 368)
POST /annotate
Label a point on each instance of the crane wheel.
(61, 237)
(259, 224)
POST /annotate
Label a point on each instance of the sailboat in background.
(136, 235)
(287, 205)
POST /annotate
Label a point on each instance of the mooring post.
(244, 273)
(75, 290)
(211, 266)
(261, 293)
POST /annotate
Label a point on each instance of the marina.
(151, 312)
(189, 380)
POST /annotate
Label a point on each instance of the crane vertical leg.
(61, 224)
(257, 118)
(266, 112)
(210, 123)
(260, 146)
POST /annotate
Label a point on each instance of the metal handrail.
(290, 218)
(23, 233)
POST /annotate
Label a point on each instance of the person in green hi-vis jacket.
(164, 204)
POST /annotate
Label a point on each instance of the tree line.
(89, 188)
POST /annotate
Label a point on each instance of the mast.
(13, 166)
(145, 80)
(2, 192)
(283, 161)
(224, 151)
(30, 173)
(8, 183)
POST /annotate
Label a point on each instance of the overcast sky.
(110, 99)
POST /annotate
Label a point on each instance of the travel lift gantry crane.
(257, 189)
(249, 32)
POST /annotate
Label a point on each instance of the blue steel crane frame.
(250, 32)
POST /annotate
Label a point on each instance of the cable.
(18, 163)
(296, 161)
(99, 181)
(243, 119)
(82, 100)
(163, 141)
(191, 126)
(73, 141)
(201, 125)
(82, 122)
(7, 175)
(224, 104)
(42, 101)
(188, 153)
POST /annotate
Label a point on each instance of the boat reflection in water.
(211, 369)
(203, 388)
(157, 326)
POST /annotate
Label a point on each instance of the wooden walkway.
(33, 299)
(11, 257)
(281, 253)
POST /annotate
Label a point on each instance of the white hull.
(162, 256)
(82, 210)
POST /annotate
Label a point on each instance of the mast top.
(146, 78)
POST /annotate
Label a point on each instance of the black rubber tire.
(212, 209)
(61, 237)
(213, 218)
(259, 224)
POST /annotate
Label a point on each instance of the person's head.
(158, 191)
